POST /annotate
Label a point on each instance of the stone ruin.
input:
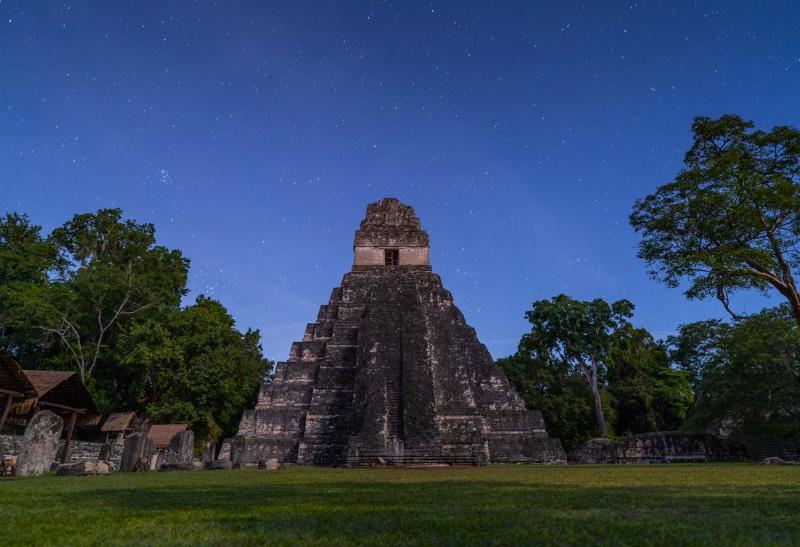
(659, 447)
(136, 453)
(390, 372)
(179, 456)
(39, 444)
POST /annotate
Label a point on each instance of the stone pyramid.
(390, 372)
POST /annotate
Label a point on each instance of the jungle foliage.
(746, 375)
(581, 355)
(98, 295)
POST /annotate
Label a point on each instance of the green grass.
(496, 505)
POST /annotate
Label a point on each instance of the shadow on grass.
(437, 512)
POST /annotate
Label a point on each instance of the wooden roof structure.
(12, 377)
(60, 391)
(119, 422)
(63, 392)
(161, 434)
(16, 389)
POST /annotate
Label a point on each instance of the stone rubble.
(83, 468)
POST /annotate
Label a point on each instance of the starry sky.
(254, 134)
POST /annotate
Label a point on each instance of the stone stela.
(390, 372)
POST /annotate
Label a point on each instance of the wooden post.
(65, 455)
(6, 409)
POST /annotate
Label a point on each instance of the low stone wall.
(80, 451)
(664, 447)
(786, 448)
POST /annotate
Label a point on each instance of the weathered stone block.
(105, 453)
(181, 448)
(210, 451)
(269, 465)
(136, 453)
(225, 450)
(83, 468)
(39, 444)
(237, 449)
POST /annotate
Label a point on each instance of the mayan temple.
(390, 372)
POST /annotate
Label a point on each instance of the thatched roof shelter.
(64, 393)
(16, 390)
(161, 434)
(13, 379)
(119, 422)
(60, 391)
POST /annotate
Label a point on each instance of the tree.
(554, 388)
(637, 388)
(110, 271)
(26, 259)
(647, 393)
(100, 296)
(741, 378)
(731, 218)
(194, 368)
(578, 334)
(696, 349)
(25, 256)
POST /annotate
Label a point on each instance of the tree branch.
(117, 313)
(78, 355)
(722, 297)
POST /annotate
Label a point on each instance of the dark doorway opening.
(391, 257)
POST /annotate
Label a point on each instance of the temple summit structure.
(390, 372)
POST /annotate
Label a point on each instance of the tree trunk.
(794, 303)
(598, 407)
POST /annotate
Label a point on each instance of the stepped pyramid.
(391, 372)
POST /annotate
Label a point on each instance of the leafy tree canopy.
(578, 334)
(747, 374)
(636, 388)
(647, 394)
(731, 218)
(110, 271)
(100, 296)
(553, 387)
(194, 367)
(25, 256)
(26, 259)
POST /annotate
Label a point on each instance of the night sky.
(254, 135)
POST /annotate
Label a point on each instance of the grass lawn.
(503, 505)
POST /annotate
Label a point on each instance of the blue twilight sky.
(253, 134)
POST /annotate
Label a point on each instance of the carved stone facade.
(390, 226)
(391, 372)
